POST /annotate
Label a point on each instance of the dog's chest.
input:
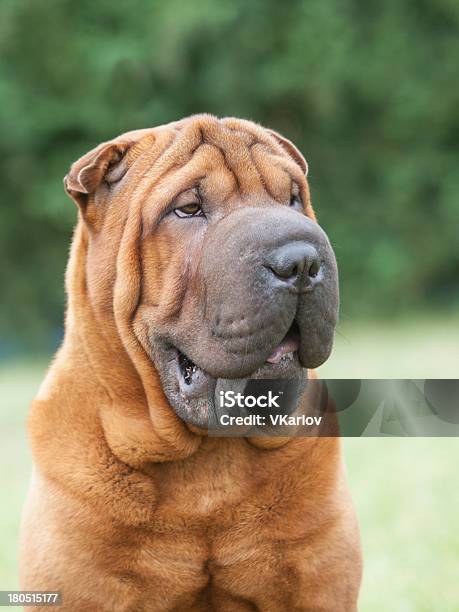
(218, 478)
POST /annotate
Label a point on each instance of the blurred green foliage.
(368, 90)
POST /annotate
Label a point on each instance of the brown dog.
(196, 257)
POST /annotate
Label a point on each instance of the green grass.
(405, 490)
(18, 384)
(414, 348)
(407, 499)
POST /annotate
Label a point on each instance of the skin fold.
(132, 507)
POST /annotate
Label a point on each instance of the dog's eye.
(295, 201)
(189, 210)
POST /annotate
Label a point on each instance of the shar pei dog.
(197, 256)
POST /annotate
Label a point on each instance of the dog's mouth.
(191, 387)
(284, 353)
(288, 348)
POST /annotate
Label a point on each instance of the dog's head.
(203, 243)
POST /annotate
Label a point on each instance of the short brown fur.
(129, 509)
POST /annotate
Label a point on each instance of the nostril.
(314, 268)
(285, 272)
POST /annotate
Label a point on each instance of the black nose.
(293, 261)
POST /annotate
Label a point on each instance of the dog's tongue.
(288, 345)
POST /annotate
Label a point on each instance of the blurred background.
(369, 91)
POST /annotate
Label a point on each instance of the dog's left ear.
(102, 164)
(292, 150)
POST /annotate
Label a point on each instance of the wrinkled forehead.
(230, 156)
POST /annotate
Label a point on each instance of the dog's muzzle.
(264, 304)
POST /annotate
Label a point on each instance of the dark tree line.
(368, 90)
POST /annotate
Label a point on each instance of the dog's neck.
(137, 429)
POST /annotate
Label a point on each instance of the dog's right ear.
(104, 164)
(292, 150)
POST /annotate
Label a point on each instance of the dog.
(197, 256)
